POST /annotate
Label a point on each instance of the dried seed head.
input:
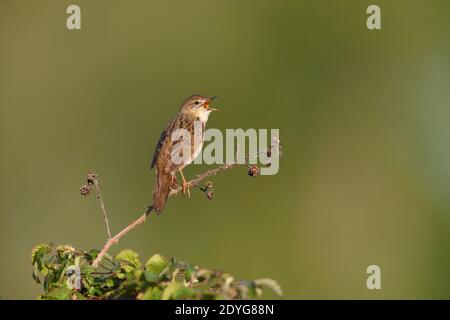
(209, 190)
(254, 171)
(91, 177)
(85, 190)
(210, 194)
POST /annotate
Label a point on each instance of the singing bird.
(195, 109)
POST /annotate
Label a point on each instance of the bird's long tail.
(162, 189)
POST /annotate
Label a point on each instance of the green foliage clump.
(67, 273)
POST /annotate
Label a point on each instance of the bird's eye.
(196, 102)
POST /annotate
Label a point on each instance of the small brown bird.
(194, 110)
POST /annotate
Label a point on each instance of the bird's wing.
(166, 147)
(163, 139)
(178, 147)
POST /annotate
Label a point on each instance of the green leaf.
(87, 269)
(170, 290)
(60, 294)
(130, 258)
(152, 294)
(92, 254)
(151, 277)
(90, 279)
(79, 296)
(183, 293)
(156, 264)
(36, 277)
(39, 251)
(65, 248)
(188, 270)
(121, 275)
(95, 291)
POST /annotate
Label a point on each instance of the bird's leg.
(185, 184)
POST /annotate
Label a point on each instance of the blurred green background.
(364, 118)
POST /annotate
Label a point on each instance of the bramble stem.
(112, 241)
(102, 206)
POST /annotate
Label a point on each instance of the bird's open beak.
(212, 98)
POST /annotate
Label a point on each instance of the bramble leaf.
(39, 251)
(125, 277)
(152, 294)
(60, 294)
(130, 258)
(156, 264)
(170, 290)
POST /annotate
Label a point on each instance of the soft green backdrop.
(364, 117)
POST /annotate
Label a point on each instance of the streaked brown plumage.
(195, 108)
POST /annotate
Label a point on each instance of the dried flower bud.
(269, 152)
(254, 171)
(85, 190)
(91, 177)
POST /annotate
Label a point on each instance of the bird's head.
(198, 106)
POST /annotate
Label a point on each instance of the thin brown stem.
(102, 206)
(112, 241)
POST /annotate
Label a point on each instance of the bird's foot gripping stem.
(174, 183)
(185, 185)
